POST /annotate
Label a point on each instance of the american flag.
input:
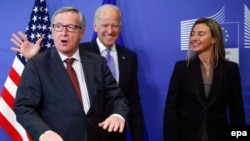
(38, 27)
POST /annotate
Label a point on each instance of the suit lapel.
(122, 59)
(88, 68)
(198, 82)
(94, 48)
(200, 91)
(215, 84)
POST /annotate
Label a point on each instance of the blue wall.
(152, 29)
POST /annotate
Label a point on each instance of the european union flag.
(230, 33)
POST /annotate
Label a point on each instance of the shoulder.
(84, 44)
(125, 50)
(180, 67)
(121, 47)
(181, 64)
(46, 55)
(229, 65)
(90, 55)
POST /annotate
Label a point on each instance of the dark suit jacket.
(46, 99)
(187, 106)
(128, 83)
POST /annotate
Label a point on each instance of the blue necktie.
(110, 61)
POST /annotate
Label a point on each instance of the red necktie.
(73, 77)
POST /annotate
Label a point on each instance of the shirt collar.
(76, 56)
(102, 47)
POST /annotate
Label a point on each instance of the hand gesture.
(24, 46)
(50, 136)
(113, 123)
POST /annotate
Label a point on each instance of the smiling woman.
(203, 89)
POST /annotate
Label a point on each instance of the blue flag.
(109, 2)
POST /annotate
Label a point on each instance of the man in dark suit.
(47, 105)
(107, 24)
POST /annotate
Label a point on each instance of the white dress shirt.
(77, 65)
(113, 53)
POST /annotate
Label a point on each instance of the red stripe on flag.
(10, 100)
(9, 129)
(9, 93)
(14, 76)
(29, 137)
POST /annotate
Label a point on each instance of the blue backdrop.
(154, 29)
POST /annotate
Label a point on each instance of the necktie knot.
(69, 61)
(108, 53)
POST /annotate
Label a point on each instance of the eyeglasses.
(69, 27)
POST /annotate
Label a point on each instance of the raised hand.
(24, 46)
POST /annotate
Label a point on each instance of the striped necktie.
(73, 77)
